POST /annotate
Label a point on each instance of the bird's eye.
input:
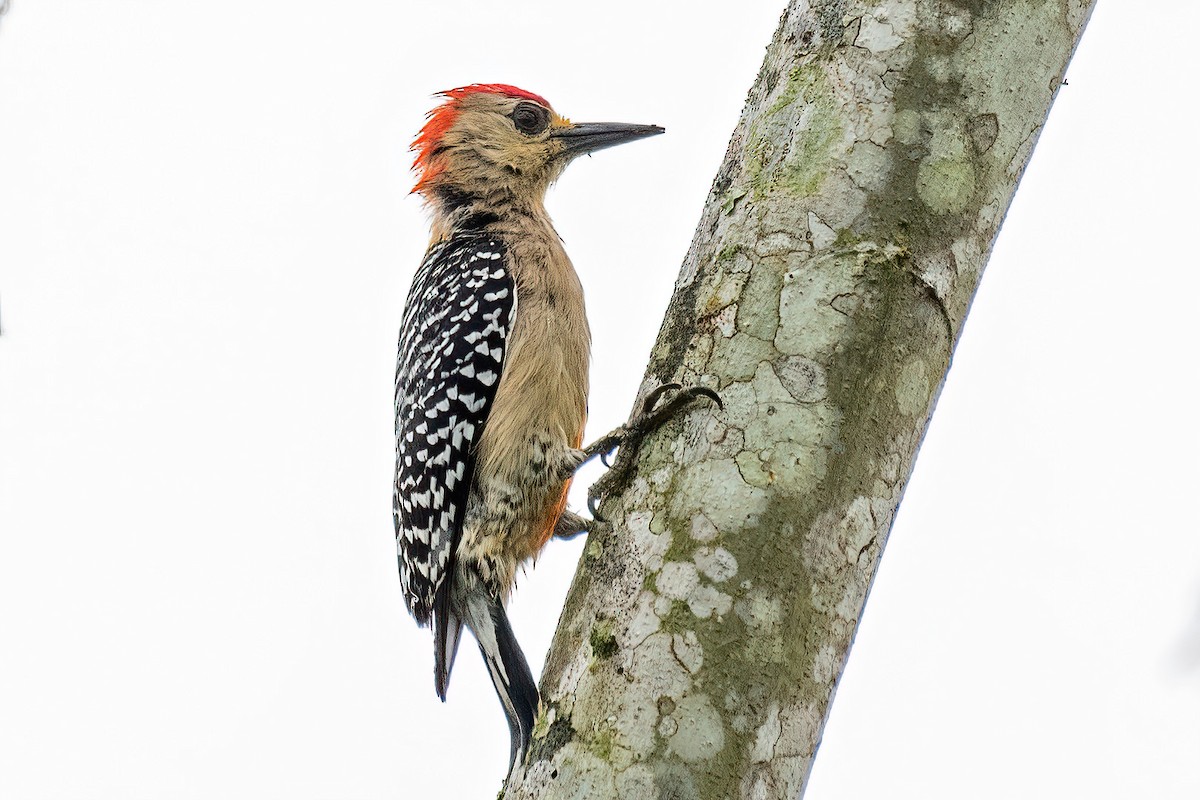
(530, 118)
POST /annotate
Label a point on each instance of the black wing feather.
(457, 319)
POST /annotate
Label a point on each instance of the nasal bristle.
(441, 118)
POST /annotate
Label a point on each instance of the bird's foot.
(570, 525)
(628, 438)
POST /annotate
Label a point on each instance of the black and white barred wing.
(458, 315)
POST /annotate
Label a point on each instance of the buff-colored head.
(494, 142)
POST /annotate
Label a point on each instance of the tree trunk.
(828, 280)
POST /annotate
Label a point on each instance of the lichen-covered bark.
(831, 272)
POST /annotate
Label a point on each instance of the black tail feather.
(447, 631)
(510, 672)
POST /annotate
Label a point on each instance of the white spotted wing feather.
(452, 341)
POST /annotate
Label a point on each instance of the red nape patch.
(441, 119)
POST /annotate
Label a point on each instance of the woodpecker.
(492, 376)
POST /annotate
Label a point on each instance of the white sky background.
(205, 243)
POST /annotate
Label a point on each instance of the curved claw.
(593, 505)
(652, 399)
(650, 421)
(604, 458)
(703, 391)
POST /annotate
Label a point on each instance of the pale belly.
(526, 455)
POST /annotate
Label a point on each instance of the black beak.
(588, 137)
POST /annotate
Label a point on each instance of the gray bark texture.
(843, 239)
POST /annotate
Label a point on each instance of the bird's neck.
(493, 207)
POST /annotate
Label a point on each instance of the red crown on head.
(441, 118)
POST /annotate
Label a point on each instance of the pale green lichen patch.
(635, 781)
(805, 311)
(912, 388)
(807, 165)
(867, 165)
(821, 235)
(766, 736)
(702, 529)
(797, 464)
(946, 185)
(877, 35)
(790, 146)
(677, 579)
(758, 315)
(602, 743)
(716, 563)
(745, 352)
(706, 601)
(753, 470)
(702, 735)
(906, 126)
(724, 499)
